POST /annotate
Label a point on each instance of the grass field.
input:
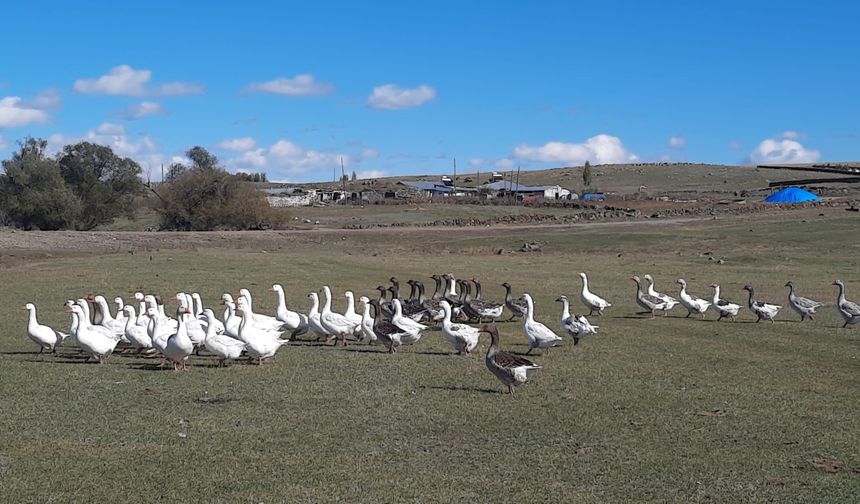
(628, 415)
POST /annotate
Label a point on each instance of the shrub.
(206, 197)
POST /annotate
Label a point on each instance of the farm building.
(435, 189)
(525, 193)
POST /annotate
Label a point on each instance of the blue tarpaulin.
(791, 195)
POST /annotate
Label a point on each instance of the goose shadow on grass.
(379, 350)
(451, 388)
(63, 361)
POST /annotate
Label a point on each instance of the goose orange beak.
(69, 310)
(270, 289)
(23, 307)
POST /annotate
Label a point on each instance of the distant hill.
(624, 179)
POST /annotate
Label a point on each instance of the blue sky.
(395, 87)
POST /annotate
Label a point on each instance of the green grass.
(611, 420)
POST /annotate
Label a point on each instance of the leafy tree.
(586, 174)
(174, 171)
(33, 194)
(205, 197)
(201, 159)
(106, 184)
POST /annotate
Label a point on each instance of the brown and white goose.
(511, 370)
(486, 308)
(763, 310)
(517, 307)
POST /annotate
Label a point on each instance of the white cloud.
(45, 100)
(393, 97)
(141, 148)
(300, 85)
(367, 154)
(241, 144)
(677, 142)
(599, 149)
(140, 110)
(14, 112)
(370, 174)
(285, 160)
(477, 162)
(782, 150)
(504, 164)
(790, 135)
(3, 143)
(124, 80)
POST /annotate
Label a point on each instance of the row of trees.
(86, 185)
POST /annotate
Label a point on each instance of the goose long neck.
(584, 283)
(282, 299)
(841, 293)
(438, 292)
(421, 297)
(477, 289)
(565, 308)
(508, 297)
(750, 298)
(531, 310)
(327, 304)
(451, 288)
(31, 318)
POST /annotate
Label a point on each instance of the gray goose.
(517, 306)
(647, 302)
(485, 307)
(511, 370)
(805, 307)
(849, 310)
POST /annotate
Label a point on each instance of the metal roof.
(426, 186)
(513, 187)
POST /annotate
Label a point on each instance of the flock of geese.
(387, 319)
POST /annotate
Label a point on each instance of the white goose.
(538, 335)
(258, 319)
(179, 346)
(577, 326)
(592, 301)
(200, 314)
(762, 310)
(105, 318)
(85, 319)
(464, 338)
(722, 307)
(295, 322)
(336, 324)
(405, 323)
(669, 300)
(95, 343)
(223, 346)
(142, 317)
(42, 335)
(849, 310)
(260, 344)
(367, 321)
(350, 311)
(314, 318)
(120, 313)
(136, 335)
(691, 302)
(159, 331)
(193, 325)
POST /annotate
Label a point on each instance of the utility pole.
(455, 175)
(518, 183)
(342, 176)
(162, 173)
